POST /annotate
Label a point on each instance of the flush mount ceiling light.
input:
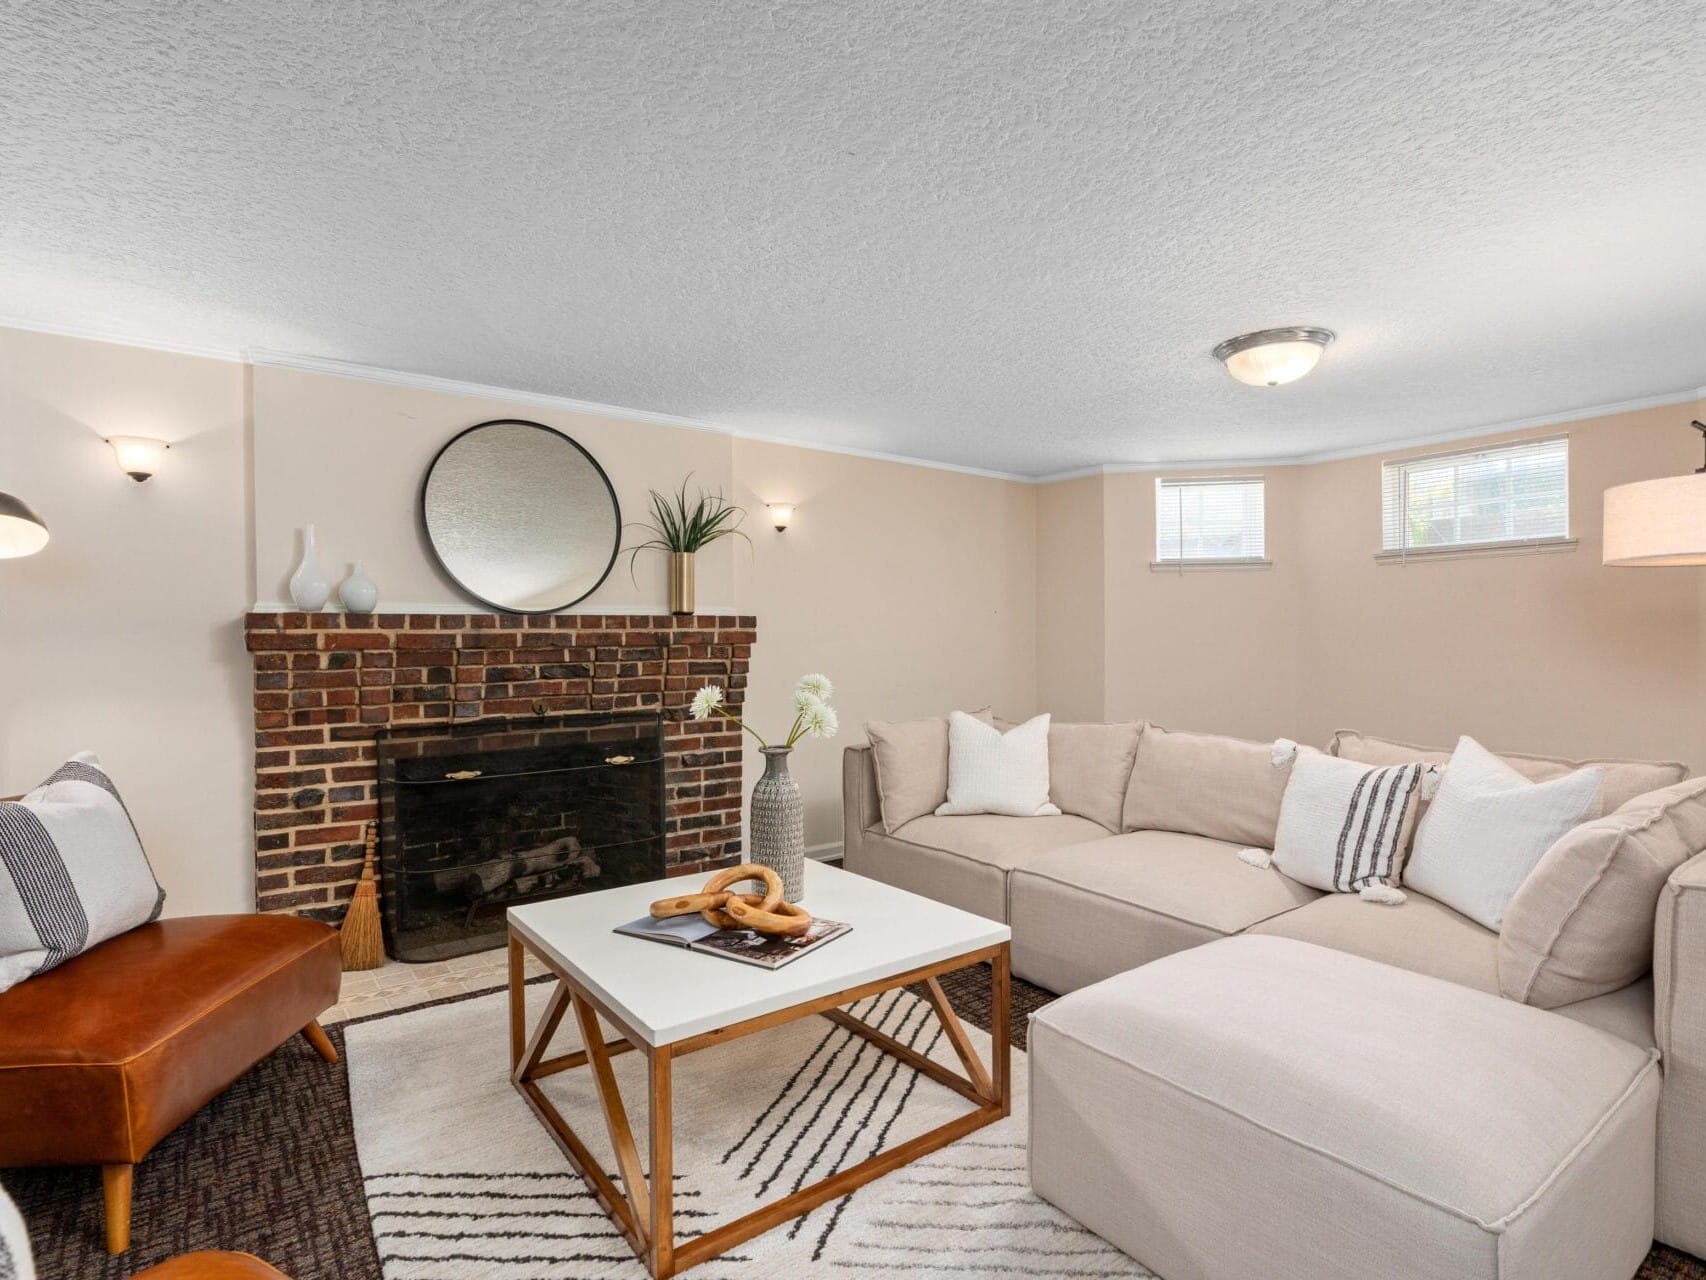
(1273, 357)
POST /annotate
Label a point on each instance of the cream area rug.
(463, 1182)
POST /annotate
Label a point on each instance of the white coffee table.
(665, 1002)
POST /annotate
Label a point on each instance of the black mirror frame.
(426, 526)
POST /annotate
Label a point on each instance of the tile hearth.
(396, 985)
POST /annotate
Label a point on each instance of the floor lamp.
(22, 531)
(1656, 523)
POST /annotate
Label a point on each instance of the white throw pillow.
(1489, 826)
(1344, 826)
(72, 871)
(994, 772)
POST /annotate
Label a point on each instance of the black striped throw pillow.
(1347, 827)
(72, 871)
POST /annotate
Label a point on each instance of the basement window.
(1217, 521)
(1513, 497)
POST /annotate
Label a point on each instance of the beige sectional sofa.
(1144, 864)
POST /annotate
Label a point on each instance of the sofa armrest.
(1679, 1008)
(860, 808)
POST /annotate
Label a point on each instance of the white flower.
(819, 686)
(706, 701)
(820, 721)
(805, 700)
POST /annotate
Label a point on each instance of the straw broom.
(361, 941)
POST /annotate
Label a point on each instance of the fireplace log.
(496, 877)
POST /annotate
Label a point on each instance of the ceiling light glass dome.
(1273, 357)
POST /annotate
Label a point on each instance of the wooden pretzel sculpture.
(763, 913)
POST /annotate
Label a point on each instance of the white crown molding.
(1503, 428)
(1385, 446)
(453, 386)
(485, 391)
(230, 355)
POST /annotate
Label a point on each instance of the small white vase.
(358, 592)
(309, 585)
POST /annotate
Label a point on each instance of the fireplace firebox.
(477, 817)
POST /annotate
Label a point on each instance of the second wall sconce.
(138, 456)
(781, 514)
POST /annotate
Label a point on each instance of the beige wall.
(124, 635)
(1545, 652)
(1209, 648)
(1071, 598)
(348, 455)
(1548, 652)
(913, 589)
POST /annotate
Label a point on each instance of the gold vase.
(681, 582)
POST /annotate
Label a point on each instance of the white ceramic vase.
(309, 585)
(359, 593)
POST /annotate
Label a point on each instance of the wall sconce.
(138, 456)
(781, 514)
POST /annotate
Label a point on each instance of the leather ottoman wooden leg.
(115, 1184)
(316, 1035)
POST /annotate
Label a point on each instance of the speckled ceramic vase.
(778, 823)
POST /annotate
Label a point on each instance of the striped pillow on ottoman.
(72, 871)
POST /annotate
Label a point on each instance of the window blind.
(1505, 494)
(1215, 519)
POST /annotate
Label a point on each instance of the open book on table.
(695, 933)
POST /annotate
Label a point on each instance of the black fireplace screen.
(478, 817)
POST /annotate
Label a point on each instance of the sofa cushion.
(1581, 924)
(1089, 767)
(997, 840)
(1086, 911)
(1205, 785)
(1197, 1110)
(912, 765)
(963, 861)
(1623, 779)
(1419, 934)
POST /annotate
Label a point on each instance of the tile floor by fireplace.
(397, 985)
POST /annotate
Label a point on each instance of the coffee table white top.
(669, 993)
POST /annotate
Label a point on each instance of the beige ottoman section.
(1266, 1107)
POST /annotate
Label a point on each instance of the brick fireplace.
(325, 683)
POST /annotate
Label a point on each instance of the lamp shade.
(22, 531)
(1657, 522)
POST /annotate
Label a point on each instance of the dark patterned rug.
(269, 1167)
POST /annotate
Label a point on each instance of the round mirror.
(520, 516)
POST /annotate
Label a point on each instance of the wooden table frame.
(642, 1209)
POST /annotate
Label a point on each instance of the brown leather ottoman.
(107, 1054)
(212, 1266)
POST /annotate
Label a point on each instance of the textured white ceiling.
(1000, 233)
